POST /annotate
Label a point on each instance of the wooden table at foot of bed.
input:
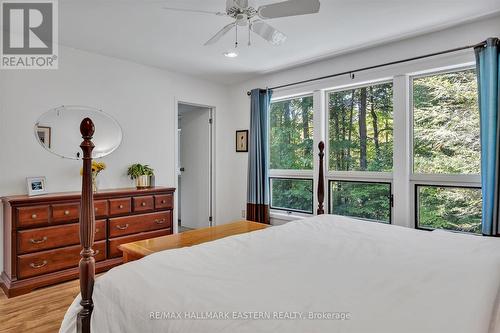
(140, 249)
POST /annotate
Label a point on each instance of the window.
(398, 158)
(291, 136)
(292, 195)
(291, 154)
(360, 129)
(446, 151)
(446, 124)
(450, 208)
(360, 151)
(371, 201)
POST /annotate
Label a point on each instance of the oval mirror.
(58, 131)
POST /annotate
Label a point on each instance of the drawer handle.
(38, 241)
(33, 265)
(164, 201)
(96, 231)
(96, 209)
(160, 221)
(66, 212)
(34, 216)
(143, 204)
(96, 252)
(121, 206)
(122, 227)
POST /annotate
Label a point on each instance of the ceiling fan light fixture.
(230, 54)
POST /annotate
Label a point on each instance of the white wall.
(468, 34)
(141, 98)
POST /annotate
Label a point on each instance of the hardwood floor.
(40, 311)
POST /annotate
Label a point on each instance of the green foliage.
(292, 194)
(291, 137)
(446, 124)
(457, 209)
(136, 170)
(364, 200)
(446, 141)
(360, 129)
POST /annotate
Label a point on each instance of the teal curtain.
(488, 72)
(258, 164)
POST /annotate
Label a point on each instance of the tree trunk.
(375, 124)
(337, 139)
(305, 126)
(362, 130)
(351, 119)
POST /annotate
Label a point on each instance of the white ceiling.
(139, 30)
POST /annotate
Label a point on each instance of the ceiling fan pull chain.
(249, 33)
(236, 43)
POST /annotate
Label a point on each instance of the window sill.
(284, 216)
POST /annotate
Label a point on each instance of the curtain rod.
(482, 44)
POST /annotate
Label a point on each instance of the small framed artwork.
(44, 134)
(242, 141)
(36, 185)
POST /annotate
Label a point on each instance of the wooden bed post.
(321, 179)
(87, 227)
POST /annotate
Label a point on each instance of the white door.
(195, 176)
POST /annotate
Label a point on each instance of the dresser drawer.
(120, 206)
(58, 236)
(164, 201)
(29, 216)
(121, 226)
(143, 204)
(115, 252)
(34, 264)
(101, 208)
(66, 212)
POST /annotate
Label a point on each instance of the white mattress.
(385, 279)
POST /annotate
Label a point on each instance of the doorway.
(195, 166)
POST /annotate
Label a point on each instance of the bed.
(321, 274)
(380, 278)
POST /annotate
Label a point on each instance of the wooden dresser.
(41, 238)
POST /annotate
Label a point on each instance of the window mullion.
(401, 157)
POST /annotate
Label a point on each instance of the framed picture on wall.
(44, 133)
(242, 141)
(36, 185)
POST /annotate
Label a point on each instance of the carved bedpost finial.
(321, 179)
(87, 230)
(87, 128)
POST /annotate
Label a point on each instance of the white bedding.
(386, 279)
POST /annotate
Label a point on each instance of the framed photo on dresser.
(36, 185)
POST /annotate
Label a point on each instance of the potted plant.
(141, 173)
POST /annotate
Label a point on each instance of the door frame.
(211, 173)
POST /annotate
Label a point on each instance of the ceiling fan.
(246, 15)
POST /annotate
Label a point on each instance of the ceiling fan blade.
(267, 32)
(194, 11)
(289, 8)
(221, 33)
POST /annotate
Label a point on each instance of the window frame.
(282, 209)
(376, 177)
(416, 204)
(290, 173)
(402, 177)
(432, 179)
(390, 198)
